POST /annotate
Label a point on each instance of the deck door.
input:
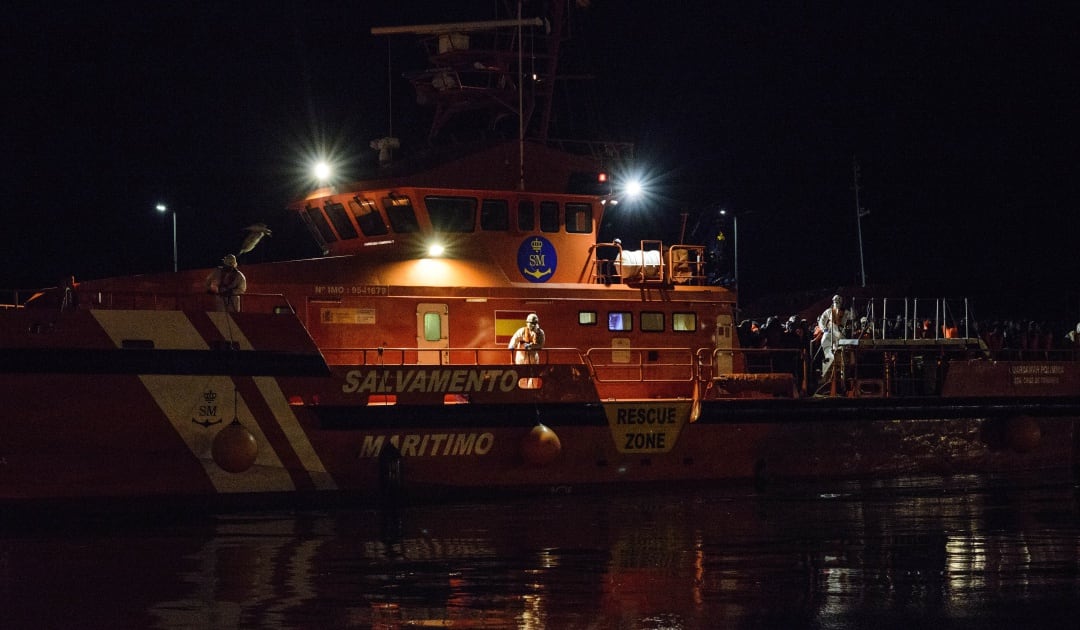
(432, 334)
(722, 337)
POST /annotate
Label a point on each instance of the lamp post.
(735, 248)
(163, 208)
(735, 243)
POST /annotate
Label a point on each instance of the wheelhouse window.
(652, 322)
(526, 216)
(495, 215)
(401, 214)
(684, 322)
(579, 218)
(367, 217)
(549, 216)
(341, 221)
(620, 321)
(586, 318)
(318, 219)
(452, 214)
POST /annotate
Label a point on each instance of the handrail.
(605, 270)
(605, 364)
(455, 356)
(794, 361)
(642, 364)
(679, 264)
(686, 264)
(276, 303)
(18, 297)
(886, 319)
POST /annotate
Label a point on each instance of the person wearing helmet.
(527, 341)
(228, 282)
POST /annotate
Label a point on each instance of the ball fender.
(540, 446)
(234, 448)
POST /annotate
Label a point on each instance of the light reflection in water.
(855, 556)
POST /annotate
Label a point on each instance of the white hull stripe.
(290, 426)
(181, 398)
(229, 330)
(169, 330)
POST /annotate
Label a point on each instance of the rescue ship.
(382, 367)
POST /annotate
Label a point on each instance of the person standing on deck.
(1073, 337)
(834, 321)
(228, 282)
(527, 341)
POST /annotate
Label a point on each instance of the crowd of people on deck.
(807, 349)
(1027, 335)
(1006, 338)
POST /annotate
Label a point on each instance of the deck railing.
(605, 364)
(393, 356)
(757, 361)
(151, 300)
(678, 264)
(15, 298)
(642, 364)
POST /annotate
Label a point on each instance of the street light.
(163, 208)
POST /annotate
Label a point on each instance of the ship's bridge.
(533, 237)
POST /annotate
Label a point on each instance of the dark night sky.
(961, 116)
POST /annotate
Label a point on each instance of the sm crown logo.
(208, 412)
(537, 259)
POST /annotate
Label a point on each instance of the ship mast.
(521, 100)
(470, 76)
(859, 214)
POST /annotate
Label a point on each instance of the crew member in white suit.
(834, 321)
(527, 341)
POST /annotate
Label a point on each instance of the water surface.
(963, 552)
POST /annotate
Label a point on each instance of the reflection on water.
(960, 553)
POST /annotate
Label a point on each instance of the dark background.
(960, 116)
